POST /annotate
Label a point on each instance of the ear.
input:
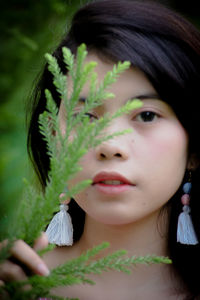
(193, 162)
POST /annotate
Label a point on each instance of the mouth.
(111, 183)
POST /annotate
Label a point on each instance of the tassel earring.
(185, 230)
(60, 229)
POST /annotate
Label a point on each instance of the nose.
(111, 150)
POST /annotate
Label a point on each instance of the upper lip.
(102, 176)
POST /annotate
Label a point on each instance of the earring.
(185, 230)
(60, 229)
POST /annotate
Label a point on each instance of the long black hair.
(166, 47)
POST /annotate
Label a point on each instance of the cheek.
(164, 157)
(170, 144)
(87, 165)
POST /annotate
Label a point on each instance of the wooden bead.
(185, 199)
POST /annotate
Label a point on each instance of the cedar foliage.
(37, 207)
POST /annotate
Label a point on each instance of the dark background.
(29, 29)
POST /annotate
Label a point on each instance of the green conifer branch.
(75, 270)
(37, 208)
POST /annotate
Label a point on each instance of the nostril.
(118, 154)
(109, 155)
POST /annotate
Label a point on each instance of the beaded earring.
(60, 229)
(185, 230)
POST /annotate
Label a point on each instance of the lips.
(111, 183)
(110, 179)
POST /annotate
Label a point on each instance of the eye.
(89, 115)
(147, 116)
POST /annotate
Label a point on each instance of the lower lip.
(112, 189)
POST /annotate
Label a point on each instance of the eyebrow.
(140, 97)
(147, 96)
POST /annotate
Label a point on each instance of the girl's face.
(134, 175)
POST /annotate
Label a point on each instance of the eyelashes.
(147, 116)
(91, 116)
(143, 117)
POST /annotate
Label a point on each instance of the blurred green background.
(29, 29)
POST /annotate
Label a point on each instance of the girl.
(136, 196)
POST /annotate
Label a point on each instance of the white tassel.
(60, 229)
(185, 231)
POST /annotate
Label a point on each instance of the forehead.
(132, 80)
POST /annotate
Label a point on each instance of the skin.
(153, 158)
(27, 255)
(153, 154)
